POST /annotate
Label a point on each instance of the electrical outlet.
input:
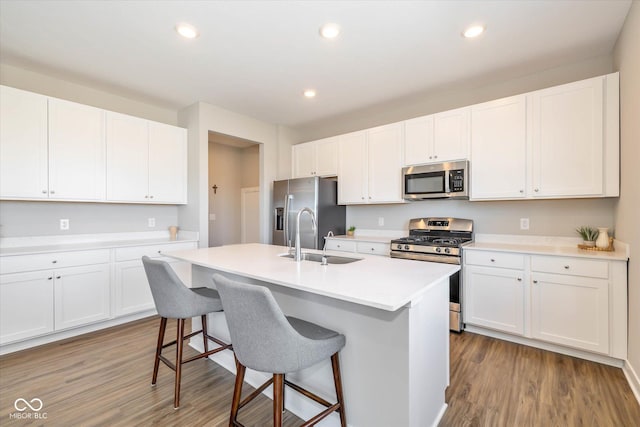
(151, 222)
(381, 221)
(64, 224)
(524, 223)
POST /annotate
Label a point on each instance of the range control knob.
(447, 250)
(438, 250)
(399, 246)
(406, 247)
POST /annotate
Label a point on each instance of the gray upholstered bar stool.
(265, 340)
(174, 300)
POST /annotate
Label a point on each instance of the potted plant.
(351, 230)
(588, 234)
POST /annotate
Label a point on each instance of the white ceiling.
(257, 57)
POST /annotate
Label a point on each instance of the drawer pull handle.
(373, 249)
(54, 261)
(49, 278)
(159, 252)
(493, 260)
(566, 267)
(57, 277)
(519, 279)
(535, 281)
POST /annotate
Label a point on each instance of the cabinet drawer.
(570, 266)
(341, 245)
(20, 263)
(494, 259)
(152, 251)
(373, 248)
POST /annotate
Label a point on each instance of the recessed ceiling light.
(310, 93)
(330, 31)
(473, 31)
(187, 30)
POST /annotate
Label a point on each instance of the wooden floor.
(104, 379)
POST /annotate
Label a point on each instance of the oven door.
(455, 314)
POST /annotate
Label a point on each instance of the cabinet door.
(494, 298)
(127, 158)
(568, 139)
(326, 157)
(352, 168)
(81, 295)
(304, 160)
(76, 151)
(385, 163)
(26, 305)
(451, 135)
(418, 140)
(23, 145)
(132, 291)
(167, 163)
(498, 149)
(571, 311)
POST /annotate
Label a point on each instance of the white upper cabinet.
(76, 151)
(146, 161)
(167, 163)
(561, 142)
(385, 164)
(23, 145)
(316, 158)
(567, 133)
(50, 149)
(437, 138)
(370, 166)
(498, 149)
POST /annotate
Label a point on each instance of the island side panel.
(429, 355)
(379, 370)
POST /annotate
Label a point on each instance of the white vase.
(603, 238)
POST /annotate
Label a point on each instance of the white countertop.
(47, 244)
(360, 238)
(374, 281)
(619, 254)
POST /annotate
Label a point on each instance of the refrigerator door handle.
(287, 240)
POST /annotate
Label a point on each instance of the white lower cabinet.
(495, 299)
(39, 302)
(132, 292)
(574, 302)
(81, 295)
(358, 246)
(26, 305)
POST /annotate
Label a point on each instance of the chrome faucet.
(324, 248)
(298, 253)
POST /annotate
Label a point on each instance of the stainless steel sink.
(331, 259)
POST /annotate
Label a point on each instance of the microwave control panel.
(456, 180)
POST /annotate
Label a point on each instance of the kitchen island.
(394, 313)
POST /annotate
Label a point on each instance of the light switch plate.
(64, 224)
(151, 222)
(524, 223)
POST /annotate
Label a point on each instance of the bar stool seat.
(174, 300)
(266, 340)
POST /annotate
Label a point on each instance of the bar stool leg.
(278, 386)
(204, 332)
(237, 392)
(179, 344)
(156, 364)
(335, 364)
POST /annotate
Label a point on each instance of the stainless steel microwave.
(446, 180)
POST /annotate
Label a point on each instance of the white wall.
(546, 217)
(42, 218)
(627, 61)
(230, 169)
(201, 118)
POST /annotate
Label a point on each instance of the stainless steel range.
(438, 240)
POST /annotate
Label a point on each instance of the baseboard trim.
(633, 379)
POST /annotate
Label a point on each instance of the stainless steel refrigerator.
(318, 194)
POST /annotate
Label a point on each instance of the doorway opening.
(234, 190)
